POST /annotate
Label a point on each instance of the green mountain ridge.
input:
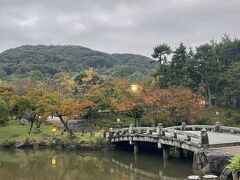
(42, 60)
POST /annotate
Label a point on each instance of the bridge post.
(183, 128)
(204, 138)
(166, 149)
(159, 129)
(217, 127)
(130, 129)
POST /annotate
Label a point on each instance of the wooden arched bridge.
(188, 137)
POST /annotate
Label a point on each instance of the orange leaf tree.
(181, 104)
(53, 103)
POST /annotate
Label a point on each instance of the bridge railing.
(177, 134)
(214, 128)
(158, 133)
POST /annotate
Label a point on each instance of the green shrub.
(236, 118)
(4, 112)
(235, 165)
(99, 140)
(228, 113)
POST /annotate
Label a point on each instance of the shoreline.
(43, 145)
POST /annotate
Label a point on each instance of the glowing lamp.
(134, 87)
(54, 130)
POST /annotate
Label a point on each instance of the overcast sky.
(125, 26)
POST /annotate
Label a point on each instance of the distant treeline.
(39, 62)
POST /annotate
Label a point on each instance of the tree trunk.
(38, 124)
(209, 96)
(70, 132)
(153, 119)
(238, 102)
(134, 116)
(31, 125)
(32, 118)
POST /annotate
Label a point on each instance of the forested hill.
(42, 61)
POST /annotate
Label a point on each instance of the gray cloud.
(132, 26)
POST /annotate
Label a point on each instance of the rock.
(210, 162)
(19, 144)
(217, 162)
(206, 169)
(71, 146)
(24, 121)
(43, 143)
(37, 130)
(226, 174)
(35, 146)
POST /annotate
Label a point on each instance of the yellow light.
(54, 161)
(134, 87)
(54, 130)
(202, 102)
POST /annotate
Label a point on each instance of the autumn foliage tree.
(6, 92)
(53, 104)
(180, 104)
(184, 105)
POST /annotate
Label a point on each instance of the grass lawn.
(14, 131)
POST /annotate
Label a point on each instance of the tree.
(180, 104)
(25, 107)
(4, 111)
(184, 105)
(7, 90)
(155, 100)
(128, 99)
(84, 81)
(160, 53)
(232, 83)
(54, 104)
(63, 83)
(106, 95)
(179, 67)
(163, 73)
(208, 68)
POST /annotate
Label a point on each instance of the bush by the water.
(235, 165)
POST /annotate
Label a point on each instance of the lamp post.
(134, 88)
(54, 132)
(217, 114)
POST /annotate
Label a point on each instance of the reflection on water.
(71, 165)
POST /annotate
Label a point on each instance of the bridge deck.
(231, 151)
(220, 138)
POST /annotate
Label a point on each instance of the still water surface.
(72, 165)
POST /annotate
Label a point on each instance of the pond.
(75, 165)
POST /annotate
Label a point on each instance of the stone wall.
(212, 162)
